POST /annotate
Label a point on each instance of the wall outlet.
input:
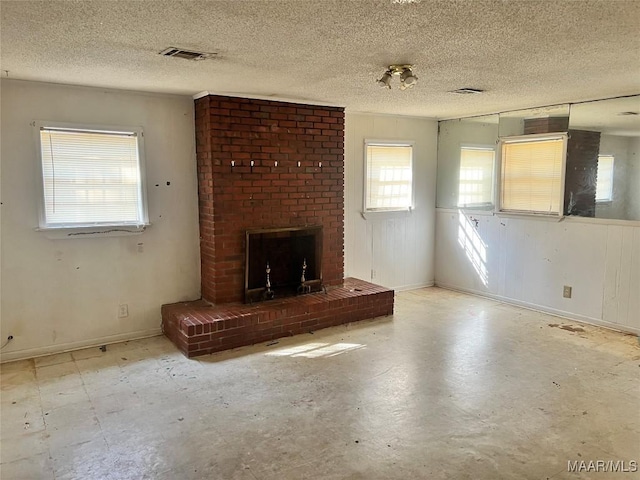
(566, 291)
(123, 310)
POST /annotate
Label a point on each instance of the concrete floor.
(453, 386)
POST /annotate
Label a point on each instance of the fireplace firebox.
(293, 257)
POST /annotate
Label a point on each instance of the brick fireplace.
(297, 179)
(274, 166)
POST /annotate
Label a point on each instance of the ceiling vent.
(186, 54)
(467, 91)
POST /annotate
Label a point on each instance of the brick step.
(199, 328)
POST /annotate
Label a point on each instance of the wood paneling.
(529, 260)
(397, 246)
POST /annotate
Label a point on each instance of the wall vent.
(186, 54)
(467, 91)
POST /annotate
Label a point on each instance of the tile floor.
(452, 387)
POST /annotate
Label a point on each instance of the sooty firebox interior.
(288, 252)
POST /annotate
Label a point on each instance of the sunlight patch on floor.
(316, 350)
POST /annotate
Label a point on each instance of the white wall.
(63, 294)
(618, 147)
(454, 134)
(528, 261)
(397, 246)
(633, 179)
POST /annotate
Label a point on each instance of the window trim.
(88, 229)
(480, 206)
(607, 201)
(564, 136)
(387, 143)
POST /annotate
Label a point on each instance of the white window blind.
(604, 182)
(389, 179)
(476, 177)
(91, 178)
(531, 175)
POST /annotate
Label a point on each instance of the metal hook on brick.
(252, 163)
(233, 164)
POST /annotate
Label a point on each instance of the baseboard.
(68, 347)
(540, 308)
(415, 286)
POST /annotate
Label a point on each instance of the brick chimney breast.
(265, 164)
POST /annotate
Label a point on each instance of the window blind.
(91, 177)
(389, 177)
(604, 182)
(476, 176)
(532, 176)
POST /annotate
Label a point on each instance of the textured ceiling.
(523, 53)
(608, 117)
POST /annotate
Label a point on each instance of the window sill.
(568, 218)
(385, 212)
(548, 217)
(485, 207)
(55, 233)
(603, 221)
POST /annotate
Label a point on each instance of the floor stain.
(569, 328)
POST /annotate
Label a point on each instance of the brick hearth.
(198, 328)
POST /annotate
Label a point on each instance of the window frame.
(494, 169)
(608, 200)
(73, 229)
(499, 209)
(387, 143)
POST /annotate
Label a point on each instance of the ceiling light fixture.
(385, 80)
(407, 77)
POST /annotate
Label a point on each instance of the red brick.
(266, 196)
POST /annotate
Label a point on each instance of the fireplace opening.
(288, 252)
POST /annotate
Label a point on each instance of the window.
(604, 182)
(532, 174)
(476, 177)
(91, 177)
(389, 176)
